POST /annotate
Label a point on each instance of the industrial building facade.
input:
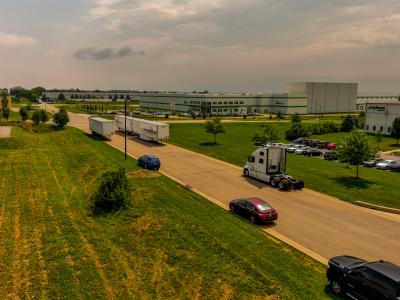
(225, 104)
(380, 116)
(327, 97)
(302, 98)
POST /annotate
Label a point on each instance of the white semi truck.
(144, 129)
(102, 127)
(268, 164)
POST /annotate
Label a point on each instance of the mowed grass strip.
(332, 178)
(169, 244)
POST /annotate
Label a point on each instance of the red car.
(254, 209)
(331, 146)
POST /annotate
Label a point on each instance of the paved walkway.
(5, 132)
(317, 224)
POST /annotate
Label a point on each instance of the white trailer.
(268, 164)
(102, 127)
(145, 129)
(120, 123)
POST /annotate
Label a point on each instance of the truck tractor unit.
(268, 164)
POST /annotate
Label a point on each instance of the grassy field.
(169, 244)
(333, 178)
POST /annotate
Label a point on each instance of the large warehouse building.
(327, 97)
(379, 116)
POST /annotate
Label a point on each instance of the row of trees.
(60, 119)
(32, 95)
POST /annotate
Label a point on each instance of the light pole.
(125, 130)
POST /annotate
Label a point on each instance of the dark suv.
(360, 279)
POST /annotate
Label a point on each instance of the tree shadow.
(353, 182)
(208, 144)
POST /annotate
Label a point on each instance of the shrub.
(296, 131)
(348, 123)
(23, 111)
(61, 118)
(280, 115)
(113, 192)
(39, 116)
(296, 118)
(6, 113)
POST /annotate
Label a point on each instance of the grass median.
(329, 177)
(169, 243)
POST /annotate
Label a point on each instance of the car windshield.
(153, 160)
(263, 207)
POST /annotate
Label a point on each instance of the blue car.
(149, 162)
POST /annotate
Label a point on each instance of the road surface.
(317, 224)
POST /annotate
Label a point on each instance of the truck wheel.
(232, 209)
(336, 287)
(273, 182)
(252, 220)
(246, 173)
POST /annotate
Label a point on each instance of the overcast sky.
(218, 45)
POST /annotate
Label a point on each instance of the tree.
(296, 131)
(270, 134)
(378, 138)
(355, 149)
(23, 111)
(296, 119)
(113, 192)
(39, 116)
(61, 97)
(4, 100)
(61, 118)
(214, 126)
(396, 129)
(348, 123)
(6, 112)
(280, 115)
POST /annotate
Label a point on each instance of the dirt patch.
(143, 174)
(5, 132)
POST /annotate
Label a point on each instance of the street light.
(125, 130)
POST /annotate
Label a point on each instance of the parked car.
(293, 148)
(286, 146)
(372, 163)
(254, 209)
(280, 145)
(312, 152)
(149, 162)
(322, 144)
(300, 140)
(395, 167)
(313, 143)
(359, 279)
(329, 155)
(385, 165)
(331, 146)
(300, 150)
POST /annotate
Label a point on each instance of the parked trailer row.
(144, 129)
(101, 127)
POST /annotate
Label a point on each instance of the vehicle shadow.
(96, 137)
(208, 144)
(353, 182)
(136, 139)
(256, 183)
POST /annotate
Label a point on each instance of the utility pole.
(125, 130)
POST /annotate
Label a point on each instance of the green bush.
(61, 118)
(23, 111)
(327, 127)
(296, 131)
(39, 116)
(6, 113)
(113, 192)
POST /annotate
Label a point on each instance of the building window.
(381, 128)
(241, 102)
(261, 161)
(225, 102)
(374, 128)
(220, 103)
(236, 102)
(214, 110)
(225, 109)
(389, 129)
(366, 127)
(230, 102)
(235, 110)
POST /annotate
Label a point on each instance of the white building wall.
(380, 117)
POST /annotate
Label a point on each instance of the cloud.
(97, 53)
(10, 40)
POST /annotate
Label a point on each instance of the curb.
(377, 207)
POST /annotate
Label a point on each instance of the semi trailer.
(144, 129)
(268, 164)
(102, 127)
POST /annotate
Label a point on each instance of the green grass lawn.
(333, 178)
(170, 243)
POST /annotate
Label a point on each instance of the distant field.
(333, 178)
(170, 243)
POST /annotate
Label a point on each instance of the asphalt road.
(317, 224)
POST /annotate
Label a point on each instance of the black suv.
(360, 279)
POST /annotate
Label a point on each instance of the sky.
(215, 45)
